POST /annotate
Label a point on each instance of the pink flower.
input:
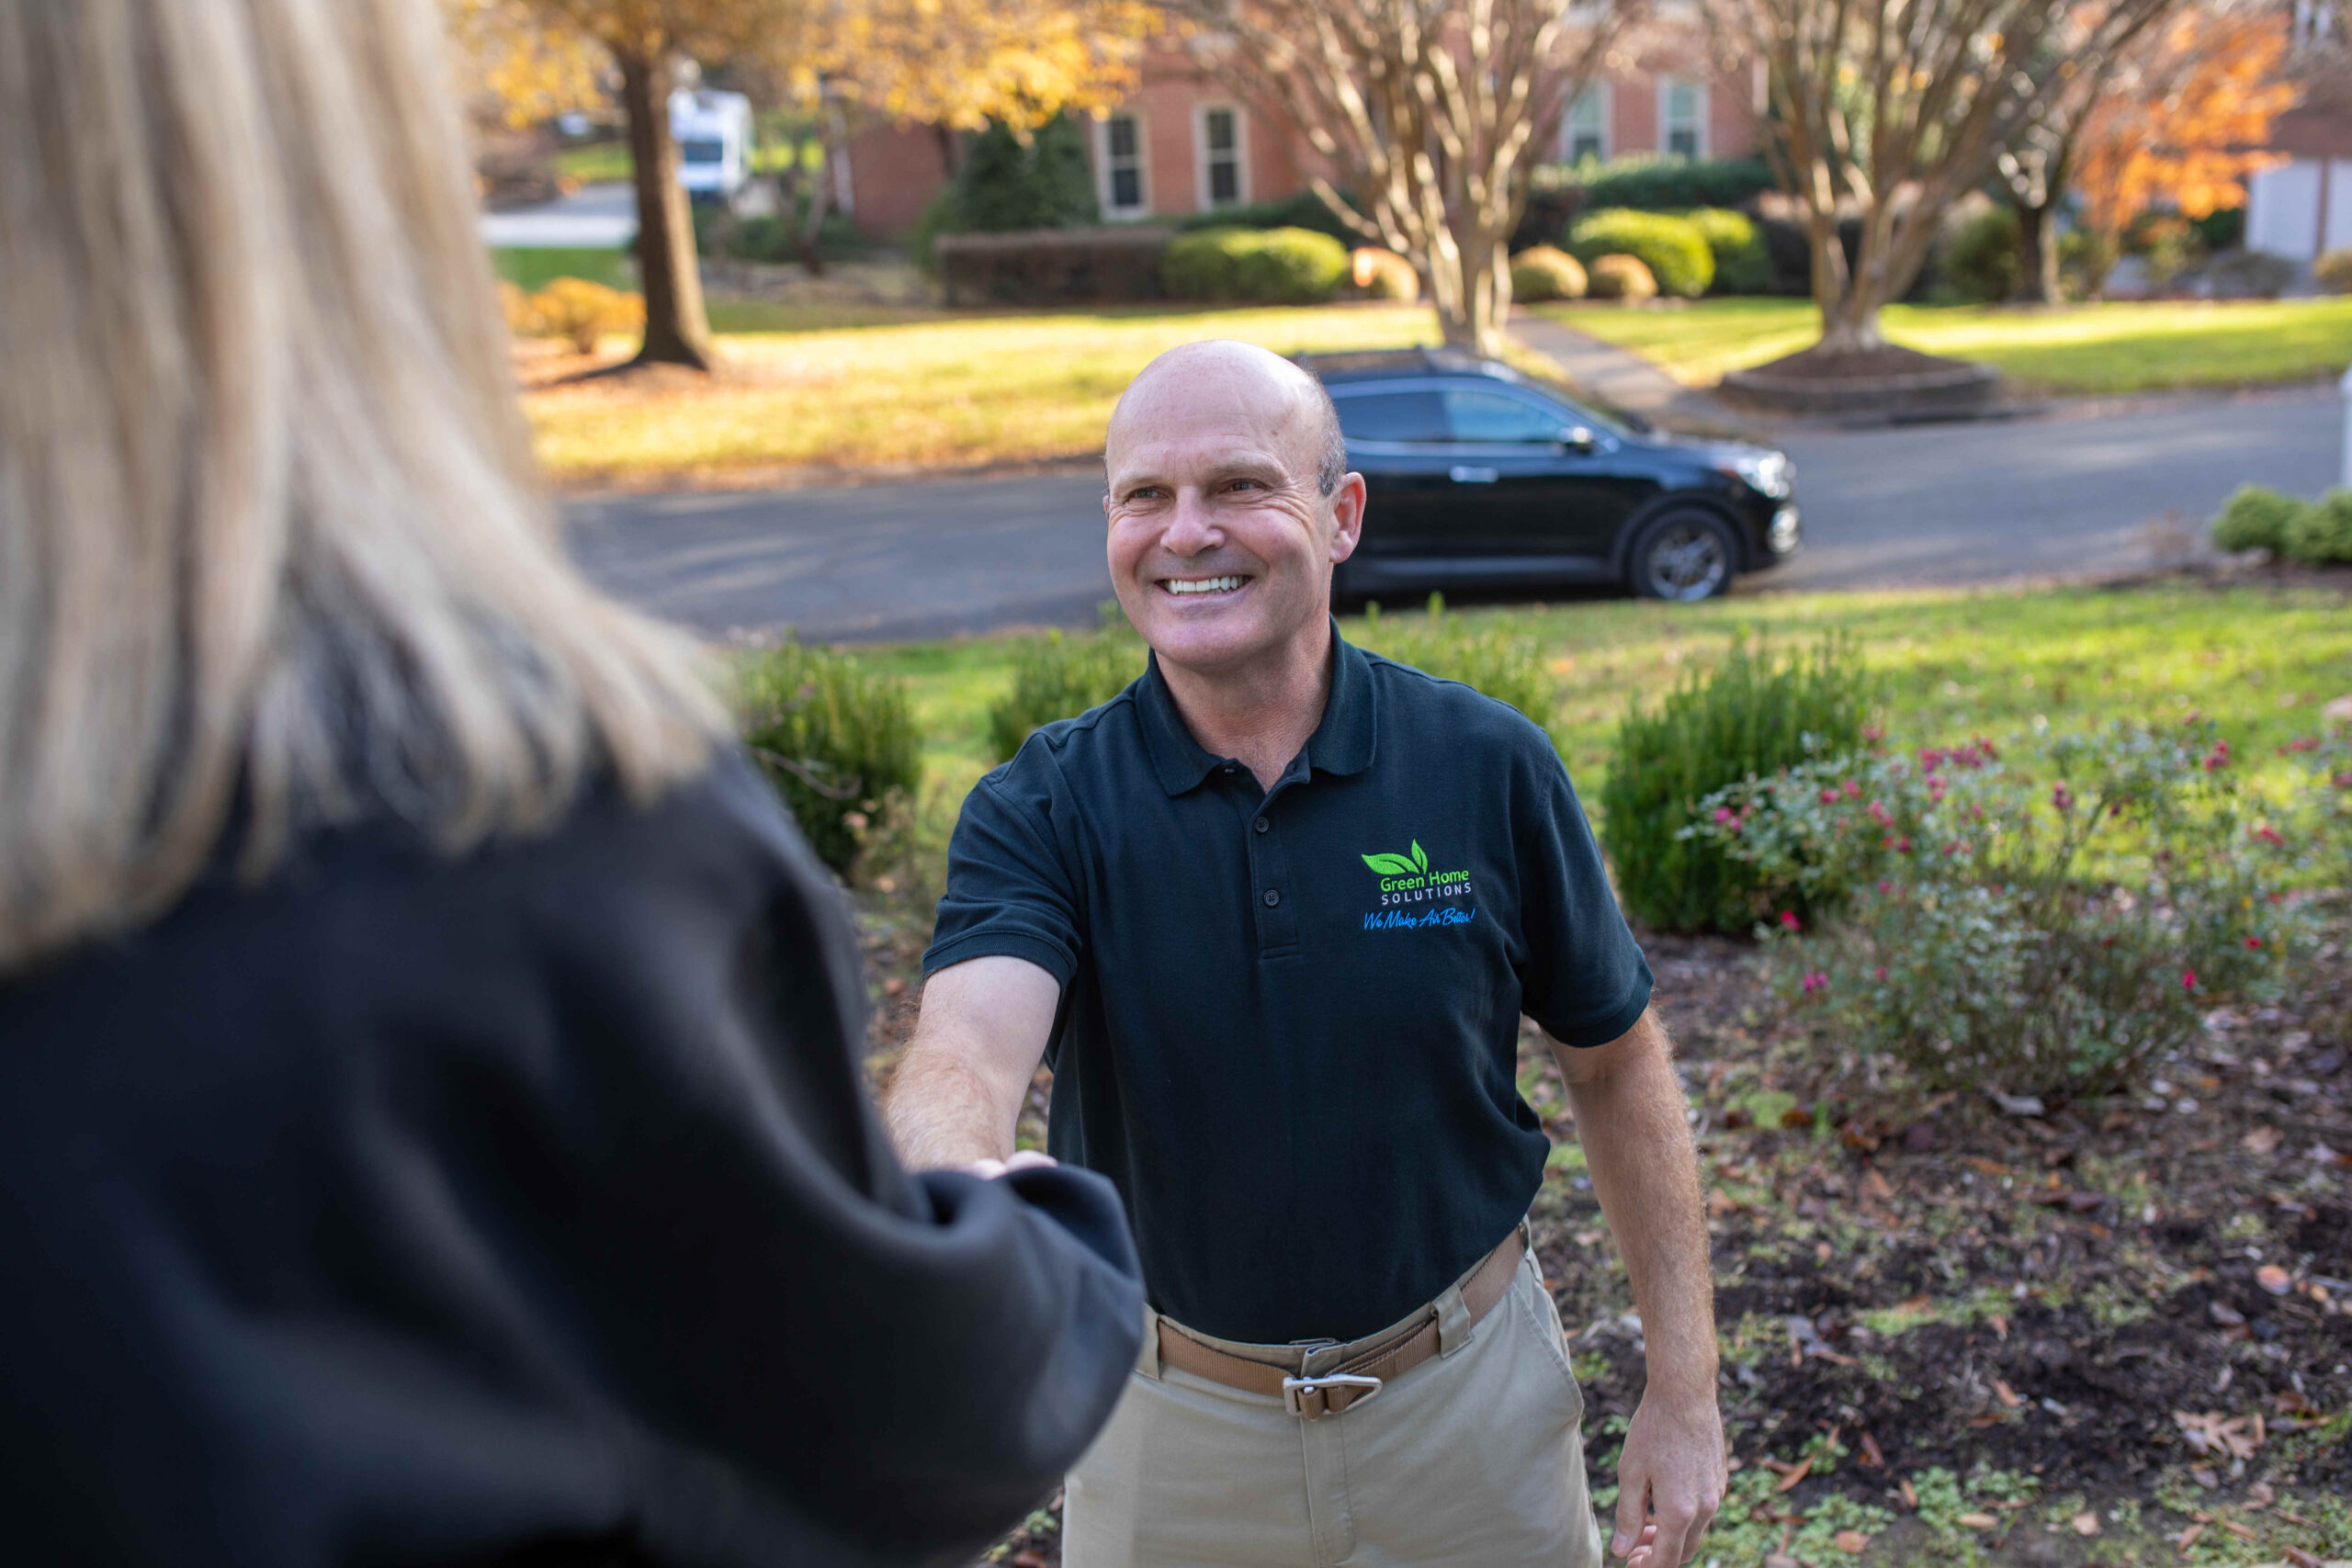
(1929, 757)
(2268, 834)
(2253, 942)
(2301, 743)
(1879, 973)
(1873, 733)
(1788, 919)
(2189, 979)
(1880, 814)
(1812, 982)
(2342, 780)
(2062, 797)
(1829, 797)
(1885, 888)
(2218, 757)
(1725, 814)
(1903, 845)
(1853, 790)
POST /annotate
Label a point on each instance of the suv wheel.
(1685, 556)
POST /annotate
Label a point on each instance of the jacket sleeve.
(744, 1271)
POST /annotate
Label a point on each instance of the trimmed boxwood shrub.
(837, 741)
(2321, 534)
(1981, 257)
(1273, 267)
(1749, 717)
(1741, 266)
(1303, 211)
(1543, 272)
(2255, 518)
(1621, 277)
(1672, 248)
(1060, 677)
(1670, 184)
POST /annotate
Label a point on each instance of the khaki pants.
(1472, 1457)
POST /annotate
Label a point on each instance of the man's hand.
(1670, 1480)
(989, 1169)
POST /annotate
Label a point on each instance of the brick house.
(1183, 143)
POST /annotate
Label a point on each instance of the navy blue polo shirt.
(1289, 1017)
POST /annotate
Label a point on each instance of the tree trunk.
(1470, 311)
(677, 330)
(821, 195)
(2037, 255)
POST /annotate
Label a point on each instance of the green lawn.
(534, 269)
(945, 390)
(604, 163)
(2080, 348)
(2005, 665)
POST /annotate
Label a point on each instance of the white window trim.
(1103, 165)
(1666, 86)
(1201, 154)
(1606, 92)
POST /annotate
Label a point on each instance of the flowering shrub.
(2003, 933)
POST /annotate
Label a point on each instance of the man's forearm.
(941, 1113)
(1637, 1146)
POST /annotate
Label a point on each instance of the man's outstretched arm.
(956, 1099)
(1630, 1119)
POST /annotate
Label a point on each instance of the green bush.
(1488, 657)
(1273, 267)
(2321, 534)
(836, 741)
(1981, 257)
(2255, 518)
(1060, 677)
(1621, 277)
(1542, 272)
(2332, 272)
(1005, 186)
(1672, 248)
(1303, 211)
(1741, 265)
(1979, 947)
(1668, 184)
(1752, 716)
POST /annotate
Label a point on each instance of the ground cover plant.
(1954, 1333)
(836, 739)
(2121, 347)
(944, 390)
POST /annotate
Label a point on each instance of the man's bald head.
(1225, 373)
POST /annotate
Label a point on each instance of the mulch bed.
(1885, 362)
(2139, 1310)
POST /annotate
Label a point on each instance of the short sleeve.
(1585, 980)
(1009, 889)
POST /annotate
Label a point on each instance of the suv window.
(1476, 414)
(1389, 416)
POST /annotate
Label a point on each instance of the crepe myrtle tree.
(1432, 113)
(1889, 111)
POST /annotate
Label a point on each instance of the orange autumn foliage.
(2180, 127)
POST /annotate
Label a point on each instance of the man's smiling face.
(1221, 541)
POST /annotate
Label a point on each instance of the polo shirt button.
(1272, 898)
(1261, 823)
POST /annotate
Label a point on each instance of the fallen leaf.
(2007, 1396)
(1978, 1521)
(1853, 1542)
(2302, 1559)
(1916, 1306)
(1028, 1557)
(1877, 1186)
(2086, 1523)
(1780, 1560)
(2187, 1537)
(2262, 1140)
(1910, 1497)
(2237, 1529)
(2275, 1279)
(2000, 1324)
(2260, 1495)
(1796, 1472)
(1873, 1457)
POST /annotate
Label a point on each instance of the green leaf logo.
(1420, 861)
(1392, 865)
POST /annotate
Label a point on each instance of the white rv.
(713, 131)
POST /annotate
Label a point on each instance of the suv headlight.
(1767, 473)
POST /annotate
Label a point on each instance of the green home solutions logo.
(1405, 881)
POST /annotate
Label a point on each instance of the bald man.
(1272, 915)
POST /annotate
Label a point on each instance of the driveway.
(2085, 494)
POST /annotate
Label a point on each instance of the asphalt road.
(2071, 495)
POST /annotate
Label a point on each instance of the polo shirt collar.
(1344, 742)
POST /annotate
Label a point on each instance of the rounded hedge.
(1980, 260)
(1543, 272)
(2332, 272)
(1384, 275)
(1672, 249)
(1271, 267)
(2320, 534)
(1742, 265)
(1621, 277)
(2255, 518)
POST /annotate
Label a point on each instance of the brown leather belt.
(1362, 1376)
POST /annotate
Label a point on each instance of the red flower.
(1879, 972)
(1829, 797)
(2189, 979)
(2268, 834)
(1788, 919)
(2218, 757)
(2301, 743)
(2062, 797)
(1812, 982)
(2253, 942)
(1853, 790)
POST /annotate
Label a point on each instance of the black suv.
(1481, 476)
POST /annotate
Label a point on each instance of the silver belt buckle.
(1294, 1390)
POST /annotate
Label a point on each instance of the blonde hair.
(270, 537)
